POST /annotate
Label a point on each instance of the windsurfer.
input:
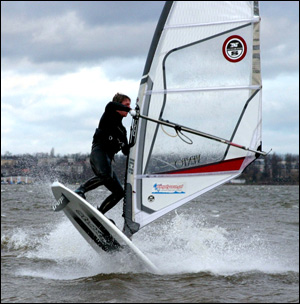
(110, 137)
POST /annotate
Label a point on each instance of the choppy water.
(234, 244)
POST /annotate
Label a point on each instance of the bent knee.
(105, 177)
(119, 195)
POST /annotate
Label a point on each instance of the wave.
(19, 240)
(184, 243)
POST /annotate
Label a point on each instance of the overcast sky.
(61, 62)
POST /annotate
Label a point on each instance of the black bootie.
(80, 191)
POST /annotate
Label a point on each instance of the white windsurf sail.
(199, 106)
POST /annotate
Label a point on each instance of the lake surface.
(233, 244)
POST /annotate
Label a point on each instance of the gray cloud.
(91, 12)
(76, 32)
(43, 41)
(280, 42)
(57, 37)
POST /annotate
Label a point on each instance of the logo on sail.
(188, 161)
(168, 188)
(234, 48)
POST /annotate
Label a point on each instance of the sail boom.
(199, 133)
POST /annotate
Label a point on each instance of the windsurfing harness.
(111, 135)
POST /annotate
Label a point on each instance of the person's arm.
(116, 106)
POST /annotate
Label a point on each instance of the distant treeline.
(75, 168)
(273, 169)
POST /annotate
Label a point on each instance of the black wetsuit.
(110, 137)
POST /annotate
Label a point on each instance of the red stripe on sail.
(226, 165)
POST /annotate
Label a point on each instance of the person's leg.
(89, 185)
(101, 166)
(113, 185)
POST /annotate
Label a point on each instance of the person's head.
(123, 99)
(120, 98)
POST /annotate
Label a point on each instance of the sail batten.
(250, 87)
(252, 20)
(174, 175)
(202, 72)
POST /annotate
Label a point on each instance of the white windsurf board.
(97, 229)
